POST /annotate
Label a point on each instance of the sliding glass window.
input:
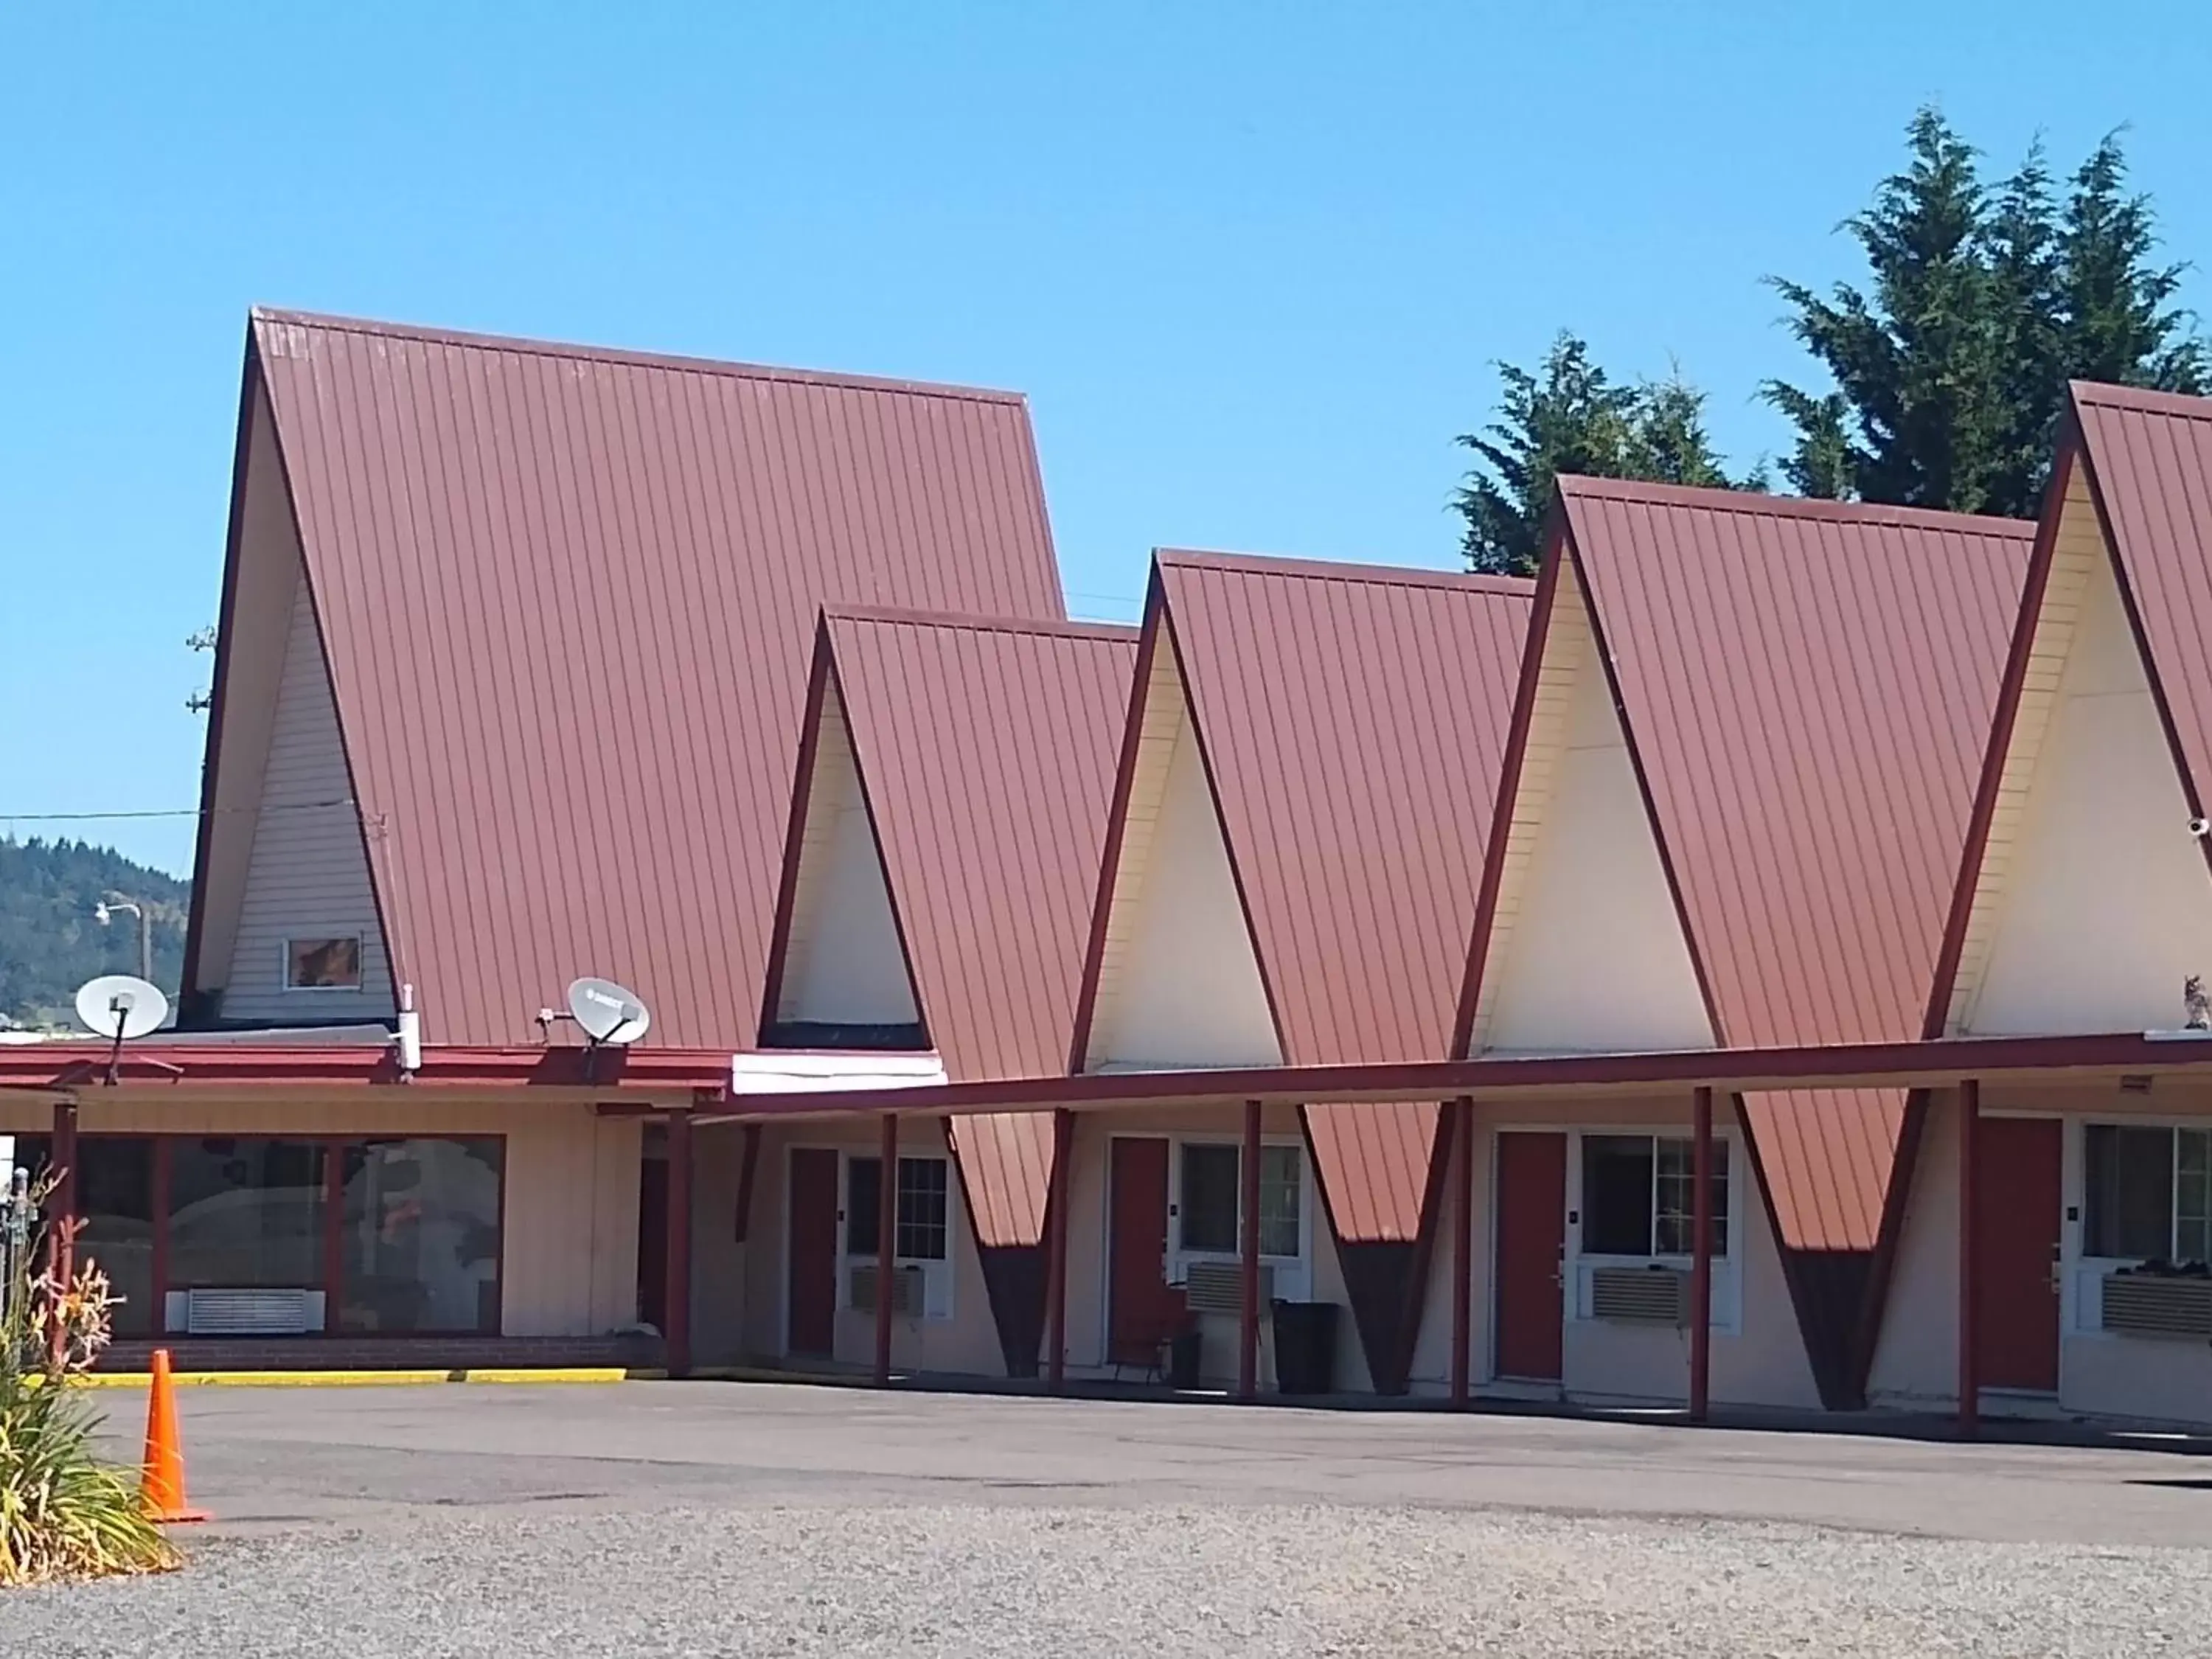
(420, 1236)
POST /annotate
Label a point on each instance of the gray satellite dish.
(120, 1006)
(607, 1012)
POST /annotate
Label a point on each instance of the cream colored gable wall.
(307, 874)
(844, 964)
(1187, 989)
(2106, 904)
(1595, 957)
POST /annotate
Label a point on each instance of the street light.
(104, 911)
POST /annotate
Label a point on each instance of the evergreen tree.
(49, 940)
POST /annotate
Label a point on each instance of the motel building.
(1741, 968)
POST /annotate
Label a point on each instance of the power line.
(172, 813)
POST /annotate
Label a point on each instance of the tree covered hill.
(49, 940)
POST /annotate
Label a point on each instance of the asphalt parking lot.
(718, 1518)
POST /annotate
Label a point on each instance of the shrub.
(64, 1513)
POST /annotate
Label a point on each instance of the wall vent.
(247, 1313)
(1640, 1296)
(2146, 1304)
(1218, 1287)
(906, 1290)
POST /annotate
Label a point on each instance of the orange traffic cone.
(161, 1487)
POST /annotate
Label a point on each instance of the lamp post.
(105, 912)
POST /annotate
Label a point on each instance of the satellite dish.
(120, 1006)
(607, 1012)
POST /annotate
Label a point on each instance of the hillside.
(50, 941)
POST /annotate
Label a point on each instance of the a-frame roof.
(2131, 493)
(1806, 689)
(985, 750)
(567, 597)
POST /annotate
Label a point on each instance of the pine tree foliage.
(49, 940)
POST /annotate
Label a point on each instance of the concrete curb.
(393, 1379)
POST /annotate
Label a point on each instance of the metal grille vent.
(1641, 1296)
(2143, 1304)
(245, 1313)
(906, 1290)
(1218, 1287)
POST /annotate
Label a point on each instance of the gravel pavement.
(692, 1519)
(927, 1580)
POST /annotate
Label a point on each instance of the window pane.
(921, 1209)
(421, 1236)
(322, 964)
(246, 1214)
(115, 1197)
(1209, 1198)
(1279, 1168)
(2192, 1195)
(1617, 1194)
(2130, 1190)
(863, 1205)
(1678, 1188)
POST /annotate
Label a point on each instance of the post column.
(1247, 1331)
(675, 1299)
(886, 1243)
(1462, 1211)
(1701, 1254)
(1055, 1222)
(61, 1207)
(1970, 1199)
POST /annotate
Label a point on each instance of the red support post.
(1248, 1332)
(61, 1206)
(886, 1244)
(677, 1297)
(1970, 1135)
(1701, 1254)
(1462, 1211)
(1055, 1222)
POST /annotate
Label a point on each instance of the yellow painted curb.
(401, 1379)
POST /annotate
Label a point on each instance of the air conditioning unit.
(2151, 1304)
(1640, 1296)
(906, 1290)
(1218, 1287)
(250, 1313)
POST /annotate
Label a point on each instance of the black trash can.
(1305, 1347)
(1182, 1358)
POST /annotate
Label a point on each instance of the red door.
(813, 1285)
(1141, 1310)
(1532, 1235)
(2015, 1253)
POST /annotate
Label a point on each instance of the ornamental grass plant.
(64, 1514)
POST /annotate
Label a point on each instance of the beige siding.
(569, 1263)
(307, 876)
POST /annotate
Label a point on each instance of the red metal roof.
(1352, 718)
(568, 597)
(1807, 688)
(2150, 468)
(986, 750)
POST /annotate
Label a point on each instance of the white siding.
(1595, 958)
(2107, 906)
(844, 964)
(307, 876)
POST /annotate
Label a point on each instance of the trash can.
(1305, 1347)
(1182, 1358)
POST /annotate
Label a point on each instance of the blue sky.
(1250, 262)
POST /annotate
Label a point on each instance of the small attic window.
(323, 964)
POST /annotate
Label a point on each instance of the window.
(1638, 1192)
(1211, 1200)
(924, 1198)
(246, 1214)
(419, 1233)
(115, 1200)
(2149, 1192)
(322, 964)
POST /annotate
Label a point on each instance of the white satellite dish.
(120, 1006)
(608, 1013)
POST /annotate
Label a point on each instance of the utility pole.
(105, 909)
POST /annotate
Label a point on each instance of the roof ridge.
(521, 345)
(1346, 570)
(1072, 629)
(2144, 399)
(1757, 504)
